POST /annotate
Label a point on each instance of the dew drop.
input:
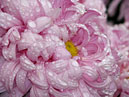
(24, 3)
(31, 14)
(8, 23)
(32, 24)
(2, 14)
(9, 18)
(37, 9)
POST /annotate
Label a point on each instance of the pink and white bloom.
(56, 48)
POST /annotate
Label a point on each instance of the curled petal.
(56, 93)
(124, 85)
(89, 73)
(11, 78)
(16, 93)
(7, 20)
(15, 35)
(2, 88)
(84, 91)
(57, 66)
(28, 10)
(6, 70)
(50, 44)
(79, 37)
(10, 52)
(99, 85)
(61, 32)
(4, 94)
(38, 78)
(46, 5)
(34, 51)
(26, 63)
(123, 94)
(91, 48)
(62, 3)
(26, 42)
(22, 81)
(88, 15)
(2, 31)
(39, 24)
(9, 71)
(9, 7)
(63, 78)
(55, 81)
(76, 93)
(12, 36)
(82, 37)
(91, 4)
(61, 53)
(74, 70)
(37, 92)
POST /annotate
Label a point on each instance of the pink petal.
(22, 82)
(26, 63)
(89, 73)
(2, 88)
(39, 24)
(12, 76)
(88, 15)
(37, 92)
(2, 31)
(28, 10)
(7, 20)
(26, 42)
(10, 52)
(15, 93)
(38, 78)
(56, 93)
(4, 94)
(61, 53)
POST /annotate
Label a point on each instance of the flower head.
(57, 48)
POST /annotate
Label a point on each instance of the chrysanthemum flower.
(119, 37)
(56, 48)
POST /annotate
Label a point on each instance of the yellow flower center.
(71, 48)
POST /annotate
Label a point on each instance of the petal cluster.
(61, 48)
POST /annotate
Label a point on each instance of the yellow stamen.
(71, 48)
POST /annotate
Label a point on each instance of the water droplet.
(26, 14)
(2, 25)
(31, 14)
(13, 18)
(2, 6)
(32, 24)
(37, 9)
(10, 9)
(24, 3)
(8, 23)
(2, 20)
(9, 18)
(2, 14)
